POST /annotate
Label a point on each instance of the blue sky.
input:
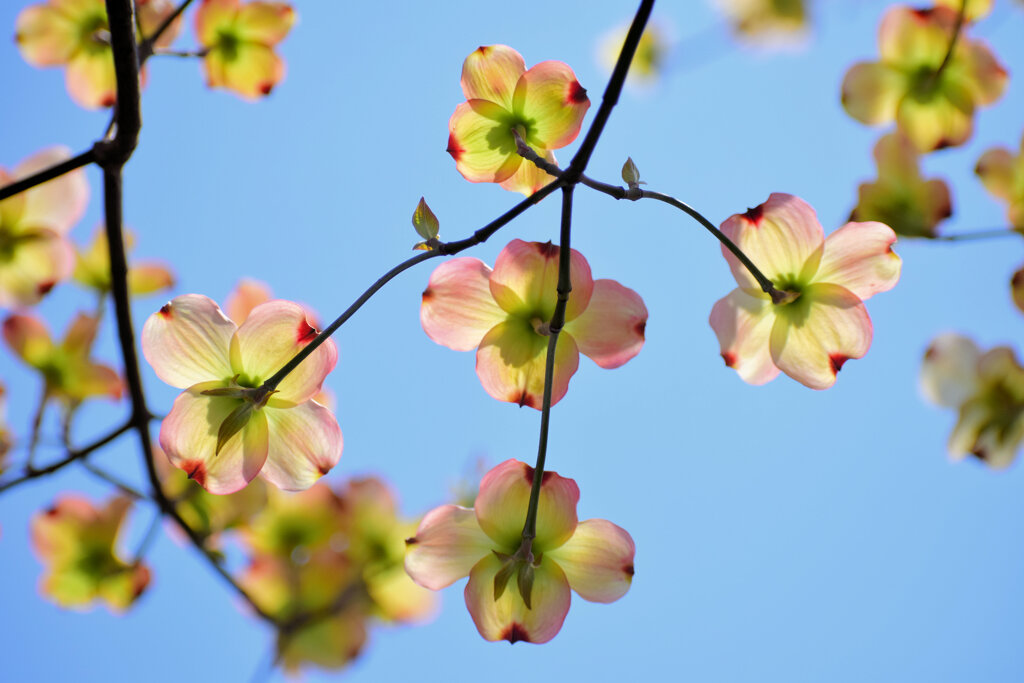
(782, 533)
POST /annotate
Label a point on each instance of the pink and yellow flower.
(34, 253)
(68, 370)
(77, 543)
(239, 41)
(593, 557)
(1002, 173)
(900, 197)
(822, 322)
(224, 429)
(932, 99)
(544, 104)
(503, 313)
(76, 33)
(92, 268)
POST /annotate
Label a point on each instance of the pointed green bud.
(425, 222)
(525, 581)
(630, 174)
(234, 423)
(501, 579)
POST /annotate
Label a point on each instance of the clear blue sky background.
(782, 534)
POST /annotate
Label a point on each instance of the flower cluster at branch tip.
(76, 33)
(512, 596)
(931, 98)
(768, 22)
(76, 541)
(1002, 173)
(338, 550)
(504, 313)
(900, 197)
(67, 369)
(226, 428)
(238, 40)
(988, 391)
(821, 322)
(92, 269)
(544, 105)
(34, 253)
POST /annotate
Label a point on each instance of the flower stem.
(952, 42)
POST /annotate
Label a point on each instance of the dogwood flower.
(503, 313)
(768, 22)
(544, 105)
(1002, 173)
(76, 33)
(92, 268)
(239, 41)
(593, 557)
(34, 254)
(224, 429)
(931, 98)
(974, 9)
(900, 197)
(988, 391)
(822, 321)
(77, 543)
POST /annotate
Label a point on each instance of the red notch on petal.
(754, 215)
(195, 470)
(730, 359)
(45, 287)
(837, 361)
(514, 633)
(577, 93)
(546, 249)
(524, 398)
(165, 310)
(628, 570)
(640, 328)
(454, 148)
(528, 473)
(306, 332)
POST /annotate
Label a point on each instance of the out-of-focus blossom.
(900, 197)
(512, 596)
(1002, 173)
(822, 321)
(767, 22)
(67, 368)
(76, 34)
(973, 9)
(34, 254)
(504, 313)
(988, 391)
(77, 543)
(652, 53)
(239, 40)
(931, 97)
(225, 428)
(92, 269)
(544, 105)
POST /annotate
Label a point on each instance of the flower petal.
(996, 170)
(508, 618)
(247, 295)
(481, 142)
(525, 278)
(552, 102)
(859, 257)
(45, 36)
(189, 437)
(510, 364)
(28, 338)
(90, 79)
(611, 330)
(149, 278)
(187, 341)
(504, 497)
(871, 92)
(35, 265)
(597, 560)
(448, 542)
(529, 178)
(265, 22)
(491, 73)
(743, 325)
(270, 337)
(57, 204)
(305, 443)
(985, 76)
(949, 371)
(944, 120)
(212, 17)
(813, 336)
(782, 237)
(914, 37)
(458, 309)
(252, 70)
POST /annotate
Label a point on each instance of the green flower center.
(925, 83)
(229, 44)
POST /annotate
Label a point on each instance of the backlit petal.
(305, 443)
(743, 325)
(996, 170)
(265, 22)
(212, 17)
(247, 295)
(552, 102)
(45, 36)
(252, 72)
(57, 204)
(34, 267)
(871, 92)
(187, 341)
(525, 278)
(949, 371)
(611, 330)
(28, 338)
(480, 140)
(504, 498)
(491, 73)
(148, 278)
(508, 618)
(511, 359)
(859, 257)
(529, 178)
(448, 542)
(813, 336)
(597, 560)
(90, 79)
(944, 120)
(458, 309)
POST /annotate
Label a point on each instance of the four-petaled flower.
(822, 321)
(505, 312)
(225, 428)
(512, 596)
(34, 254)
(931, 96)
(988, 391)
(544, 105)
(901, 198)
(1002, 173)
(77, 543)
(239, 42)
